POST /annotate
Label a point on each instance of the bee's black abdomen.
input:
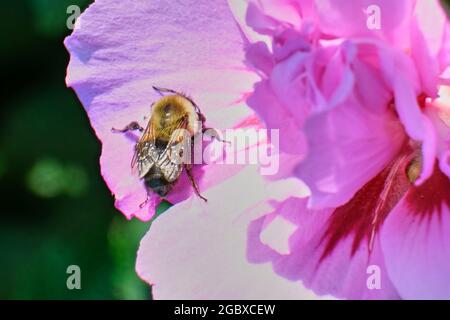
(160, 145)
(157, 183)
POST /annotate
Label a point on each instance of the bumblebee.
(159, 152)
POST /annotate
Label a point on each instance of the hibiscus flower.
(373, 106)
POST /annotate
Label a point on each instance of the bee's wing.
(146, 158)
(170, 161)
(146, 154)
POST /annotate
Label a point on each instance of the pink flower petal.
(259, 57)
(416, 243)
(342, 274)
(197, 250)
(121, 49)
(268, 108)
(260, 22)
(348, 146)
(444, 162)
(286, 83)
(342, 18)
(368, 75)
(428, 33)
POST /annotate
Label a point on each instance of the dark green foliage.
(55, 209)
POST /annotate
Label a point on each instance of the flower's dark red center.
(430, 197)
(363, 215)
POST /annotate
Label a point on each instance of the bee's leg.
(130, 127)
(215, 134)
(194, 184)
(143, 204)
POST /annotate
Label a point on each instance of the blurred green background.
(56, 210)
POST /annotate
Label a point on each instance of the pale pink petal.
(120, 49)
(416, 243)
(198, 251)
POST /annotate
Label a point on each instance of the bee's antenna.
(157, 90)
(161, 91)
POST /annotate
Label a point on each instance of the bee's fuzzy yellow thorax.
(169, 111)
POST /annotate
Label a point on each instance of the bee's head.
(170, 108)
